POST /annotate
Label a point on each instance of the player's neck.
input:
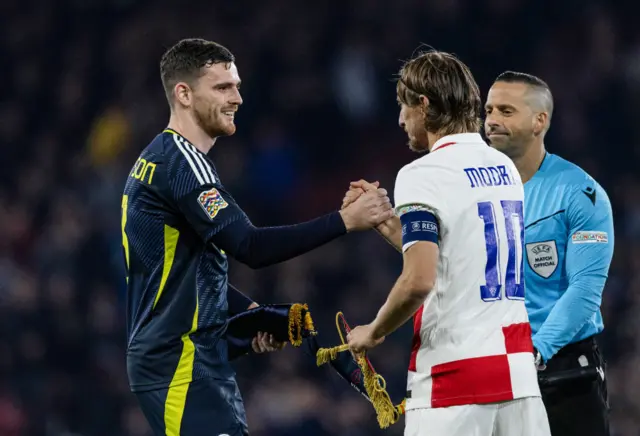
(529, 163)
(435, 137)
(187, 127)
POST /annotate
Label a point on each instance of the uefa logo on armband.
(212, 202)
(422, 226)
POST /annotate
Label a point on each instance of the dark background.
(81, 97)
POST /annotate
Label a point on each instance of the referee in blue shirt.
(568, 249)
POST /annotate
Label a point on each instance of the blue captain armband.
(418, 224)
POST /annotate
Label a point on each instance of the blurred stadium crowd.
(82, 97)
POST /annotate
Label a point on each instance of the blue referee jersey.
(568, 249)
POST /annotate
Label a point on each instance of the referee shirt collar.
(544, 166)
(458, 138)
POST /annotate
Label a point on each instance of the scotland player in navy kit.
(568, 248)
(179, 223)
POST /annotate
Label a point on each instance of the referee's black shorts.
(203, 407)
(574, 391)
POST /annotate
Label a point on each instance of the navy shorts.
(202, 407)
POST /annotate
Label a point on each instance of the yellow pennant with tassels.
(371, 384)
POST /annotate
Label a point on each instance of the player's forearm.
(391, 231)
(403, 302)
(572, 311)
(258, 247)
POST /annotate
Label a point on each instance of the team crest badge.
(543, 258)
(212, 202)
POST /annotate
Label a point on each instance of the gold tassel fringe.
(308, 322)
(297, 323)
(376, 387)
(325, 355)
(374, 384)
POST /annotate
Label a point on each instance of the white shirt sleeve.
(417, 188)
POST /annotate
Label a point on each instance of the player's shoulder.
(425, 164)
(147, 171)
(417, 172)
(184, 160)
(160, 149)
(171, 162)
(444, 160)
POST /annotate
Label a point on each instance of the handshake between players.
(368, 210)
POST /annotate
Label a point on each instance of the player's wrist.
(347, 219)
(383, 229)
(538, 359)
(376, 331)
(389, 227)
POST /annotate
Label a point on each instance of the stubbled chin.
(230, 128)
(497, 139)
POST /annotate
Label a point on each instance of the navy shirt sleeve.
(217, 218)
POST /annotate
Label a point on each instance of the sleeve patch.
(418, 225)
(212, 202)
(590, 237)
(401, 210)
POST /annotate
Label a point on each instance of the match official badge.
(212, 202)
(543, 258)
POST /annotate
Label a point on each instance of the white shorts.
(521, 417)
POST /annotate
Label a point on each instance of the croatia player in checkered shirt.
(179, 224)
(471, 369)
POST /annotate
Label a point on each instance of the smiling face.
(216, 98)
(201, 78)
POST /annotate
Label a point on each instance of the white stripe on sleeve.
(203, 164)
(198, 173)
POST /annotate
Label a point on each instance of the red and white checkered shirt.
(472, 339)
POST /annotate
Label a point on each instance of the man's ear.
(424, 102)
(540, 122)
(183, 94)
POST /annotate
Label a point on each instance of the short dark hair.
(529, 79)
(518, 77)
(454, 96)
(184, 62)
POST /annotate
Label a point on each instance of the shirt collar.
(458, 138)
(544, 165)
